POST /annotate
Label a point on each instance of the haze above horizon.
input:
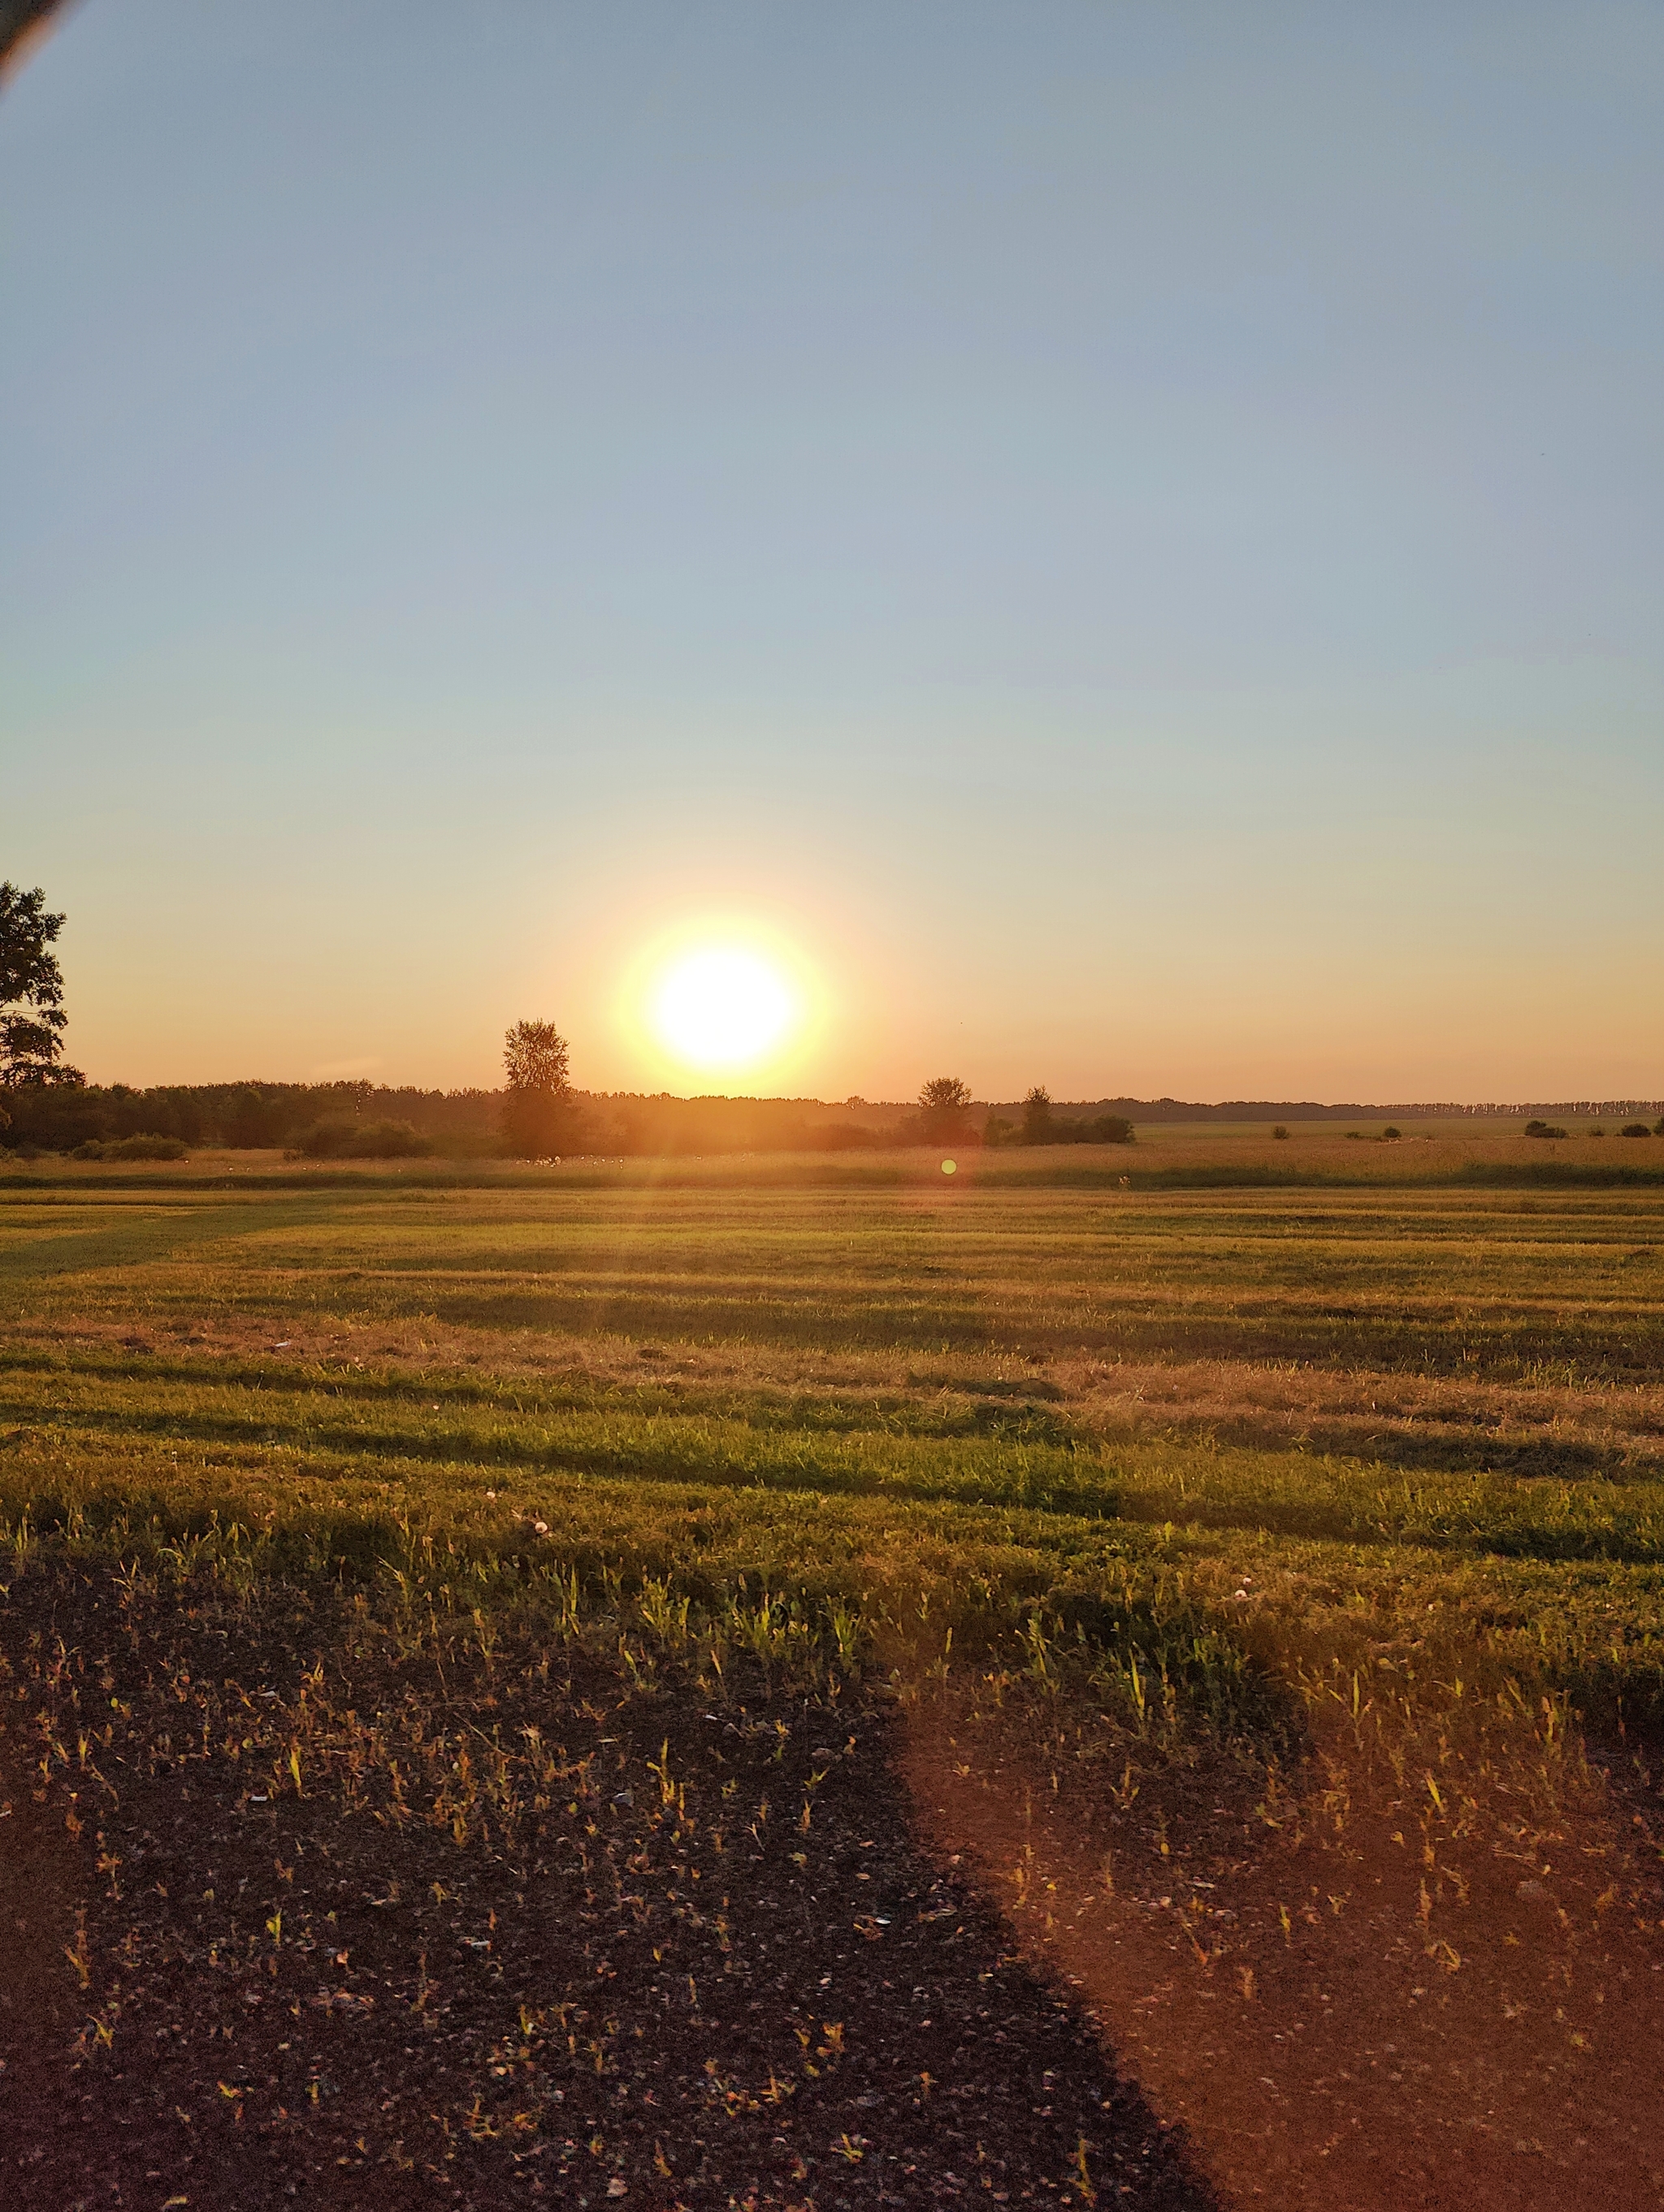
(1116, 549)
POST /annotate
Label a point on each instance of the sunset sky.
(1119, 546)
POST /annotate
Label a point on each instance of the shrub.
(1041, 1126)
(1107, 1129)
(1278, 1129)
(1543, 1129)
(1390, 1135)
(1635, 1129)
(369, 1140)
(144, 1146)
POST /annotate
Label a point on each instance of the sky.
(1122, 545)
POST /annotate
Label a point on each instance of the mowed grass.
(1226, 1440)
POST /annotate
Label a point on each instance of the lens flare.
(724, 1006)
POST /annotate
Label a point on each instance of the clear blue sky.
(1131, 536)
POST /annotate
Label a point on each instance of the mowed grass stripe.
(1288, 1492)
(1622, 1342)
(919, 1567)
(1504, 1342)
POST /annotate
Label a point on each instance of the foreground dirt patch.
(324, 1908)
(1356, 2007)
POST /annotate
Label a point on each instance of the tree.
(945, 1100)
(1036, 1116)
(537, 1105)
(535, 1056)
(32, 1017)
(20, 20)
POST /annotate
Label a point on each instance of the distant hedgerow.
(369, 1140)
(144, 1146)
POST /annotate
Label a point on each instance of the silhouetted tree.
(536, 1057)
(945, 1100)
(1036, 1116)
(18, 19)
(537, 1105)
(32, 1017)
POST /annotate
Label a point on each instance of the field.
(1125, 1675)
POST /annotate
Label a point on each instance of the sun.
(724, 1006)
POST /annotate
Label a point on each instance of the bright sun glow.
(723, 1007)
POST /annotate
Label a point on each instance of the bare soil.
(301, 1908)
(1350, 2008)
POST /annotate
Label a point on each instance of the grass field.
(1188, 1485)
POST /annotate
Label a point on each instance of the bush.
(144, 1146)
(1041, 1126)
(367, 1140)
(1543, 1129)
(1390, 1135)
(1107, 1129)
(1278, 1129)
(1635, 1129)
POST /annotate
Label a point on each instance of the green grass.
(1233, 1438)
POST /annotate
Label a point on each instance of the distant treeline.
(342, 1119)
(246, 1116)
(1150, 1110)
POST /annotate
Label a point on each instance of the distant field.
(1200, 1467)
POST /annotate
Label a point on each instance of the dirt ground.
(1336, 2024)
(755, 1947)
(300, 1910)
